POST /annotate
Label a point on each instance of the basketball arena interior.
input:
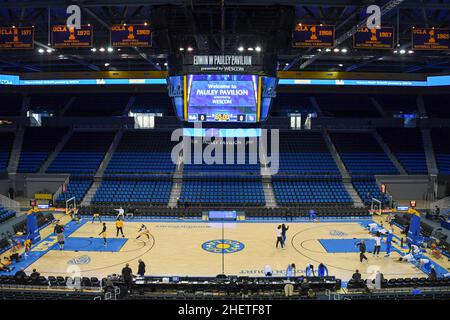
(224, 150)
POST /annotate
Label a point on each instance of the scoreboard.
(16, 38)
(222, 98)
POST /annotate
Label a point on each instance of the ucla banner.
(373, 38)
(70, 37)
(318, 36)
(430, 39)
(134, 35)
(17, 38)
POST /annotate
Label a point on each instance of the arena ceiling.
(213, 25)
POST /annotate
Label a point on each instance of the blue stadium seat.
(362, 154)
(37, 145)
(82, 154)
(407, 146)
(311, 191)
(153, 192)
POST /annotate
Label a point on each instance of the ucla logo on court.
(223, 246)
(338, 233)
(80, 260)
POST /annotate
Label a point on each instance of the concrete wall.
(405, 187)
(27, 185)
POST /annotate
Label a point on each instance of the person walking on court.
(119, 227)
(127, 276)
(103, 233)
(362, 250)
(377, 248)
(283, 233)
(389, 243)
(279, 237)
(141, 268)
(143, 231)
(61, 240)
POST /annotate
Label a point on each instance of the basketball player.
(121, 213)
(96, 216)
(389, 243)
(280, 237)
(103, 233)
(309, 271)
(284, 228)
(377, 248)
(61, 239)
(362, 251)
(143, 231)
(27, 246)
(119, 227)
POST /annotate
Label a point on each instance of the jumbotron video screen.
(222, 98)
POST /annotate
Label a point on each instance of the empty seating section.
(437, 105)
(37, 145)
(76, 188)
(6, 143)
(6, 214)
(362, 154)
(397, 103)
(141, 152)
(153, 102)
(233, 162)
(222, 192)
(441, 145)
(83, 153)
(407, 146)
(49, 102)
(133, 192)
(367, 189)
(98, 105)
(286, 103)
(11, 104)
(311, 191)
(305, 153)
(347, 105)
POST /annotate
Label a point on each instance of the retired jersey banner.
(16, 38)
(313, 36)
(373, 38)
(430, 39)
(70, 37)
(133, 35)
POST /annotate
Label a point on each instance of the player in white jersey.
(143, 231)
(121, 213)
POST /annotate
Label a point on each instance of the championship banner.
(133, 35)
(70, 37)
(17, 38)
(318, 36)
(430, 39)
(373, 38)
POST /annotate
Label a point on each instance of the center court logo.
(80, 260)
(223, 246)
